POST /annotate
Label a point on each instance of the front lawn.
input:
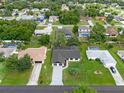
(120, 63)
(14, 78)
(46, 71)
(84, 72)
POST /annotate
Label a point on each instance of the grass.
(120, 63)
(83, 23)
(40, 27)
(15, 78)
(56, 23)
(46, 71)
(85, 72)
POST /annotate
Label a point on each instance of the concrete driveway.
(35, 74)
(117, 77)
(57, 75)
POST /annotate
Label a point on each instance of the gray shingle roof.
(61, 54)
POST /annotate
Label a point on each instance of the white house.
(7, 51)
(121, 54)
(47, 31)
(53, 19)
(64, 7)
(104, 56)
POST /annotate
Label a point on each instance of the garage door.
(38, 61)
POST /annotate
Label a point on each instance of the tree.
(98, 28)
(84, 89)
(15, 64)
(75, 29)
(72, 41)
(93, 10)
(12, 63)
(109, 18)
(98, 33)
(69, 17)
(24, 63)
(44, 39)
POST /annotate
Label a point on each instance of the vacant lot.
(13, 78)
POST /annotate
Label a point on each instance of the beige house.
(37, 55)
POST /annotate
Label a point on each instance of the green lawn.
(46, 71)
(85, 72)
(40, 27)
(83, 23)
(120, 63)
(16, 78)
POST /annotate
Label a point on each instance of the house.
(64, 7)
(62, 55)
(93, 48)
(101, 18)
(120, 53)
(26, 17)
(84, 31)
(104, 56)
(119, 18)
(37, 54)
(46, 31)
(111, 32)
(53, 19)
(8, 18)
(7, 51)
(67, 33)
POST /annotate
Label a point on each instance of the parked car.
(113, 69)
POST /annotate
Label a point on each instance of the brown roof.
(37, 54)
(101, 18)
(111, 31)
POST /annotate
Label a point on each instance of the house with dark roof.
(67, 32)
(62, 55)
(84, 31)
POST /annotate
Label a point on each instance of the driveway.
(35, 74)
(57, 75)
(117, 77)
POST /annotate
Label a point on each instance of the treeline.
(16, 30)
(20, 4)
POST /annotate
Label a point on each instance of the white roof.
(103, 55)
(26, 17)
(121, 52)
(44, 31)
(7, 51)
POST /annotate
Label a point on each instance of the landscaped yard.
(46, 71)
(84, 72)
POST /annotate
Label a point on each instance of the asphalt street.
(56, 89)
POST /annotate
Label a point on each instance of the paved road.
(56, 89)
(57, 76)
(35, 74)
(117, 77)
(109, 89)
